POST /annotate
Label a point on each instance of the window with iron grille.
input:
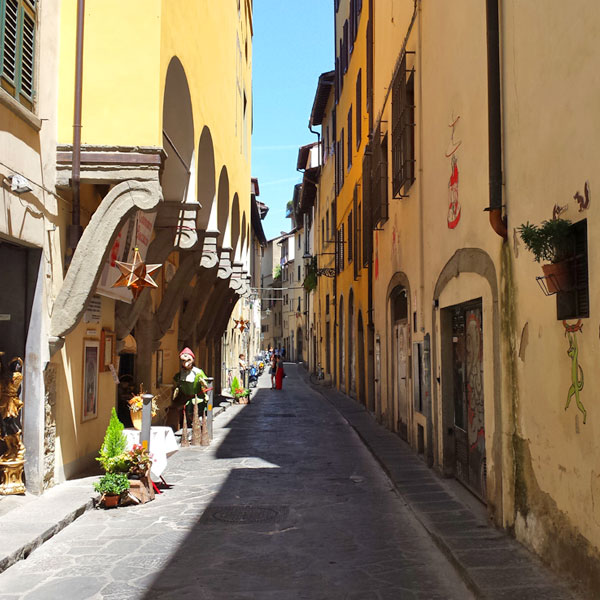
(379, 179)
(350, 238)
(350, 149)
(358, 109)
(17, 49)
(403, 131)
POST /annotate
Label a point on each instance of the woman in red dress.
(279, 373)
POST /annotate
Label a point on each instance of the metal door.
(469, 421)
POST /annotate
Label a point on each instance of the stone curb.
(492, 564)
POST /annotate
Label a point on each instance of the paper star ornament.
(135, 276)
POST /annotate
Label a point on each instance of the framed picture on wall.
(91, 361)
(159, 367)
(108, 350)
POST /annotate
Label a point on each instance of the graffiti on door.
(474, 348)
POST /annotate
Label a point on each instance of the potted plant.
(112, 486)
(113, 457)
(136, 403)
(239, 393)
(552, 243)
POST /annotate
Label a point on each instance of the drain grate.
(247, 514)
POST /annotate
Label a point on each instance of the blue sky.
(292, 46)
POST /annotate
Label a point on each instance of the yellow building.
(352, 308)
(324, 227)
(162, 102)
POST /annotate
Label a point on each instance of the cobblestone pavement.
(285, 504)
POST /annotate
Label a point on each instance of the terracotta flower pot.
(111, 500)
(559, 276)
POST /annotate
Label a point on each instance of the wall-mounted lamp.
(18, 184)
(327, 272)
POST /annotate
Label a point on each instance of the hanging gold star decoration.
(242, 324)
(135, 276)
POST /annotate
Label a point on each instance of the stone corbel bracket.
(210, 256)
(225, 269)
(93, 249)
(236, 281)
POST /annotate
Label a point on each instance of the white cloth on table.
(162, 445)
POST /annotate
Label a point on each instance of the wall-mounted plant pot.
(559, 276)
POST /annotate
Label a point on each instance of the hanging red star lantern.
(135, 276)
(242, 324)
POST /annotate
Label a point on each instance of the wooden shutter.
(27, 54)
(10, 30)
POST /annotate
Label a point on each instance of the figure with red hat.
(189, 394)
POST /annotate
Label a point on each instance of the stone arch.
(223, 209)
(206, 181)
(235, 227)
(478, 262)
(178, 133)
(244, 239)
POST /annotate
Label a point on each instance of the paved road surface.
(286, 504)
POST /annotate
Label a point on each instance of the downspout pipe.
(75, 229)
(497, 221)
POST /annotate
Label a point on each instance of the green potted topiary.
(112, 486)
(552, 243)
(113, 457)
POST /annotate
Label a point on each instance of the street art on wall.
(453, 204)
(576, 370)
(474, 366)
(583, 201)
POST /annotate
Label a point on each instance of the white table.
(162, 445)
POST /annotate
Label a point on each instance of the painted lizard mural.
(576, 370)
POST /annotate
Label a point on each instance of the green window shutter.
(27, 55)
(9, 40)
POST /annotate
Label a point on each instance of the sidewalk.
(28, 521)
(493, 565)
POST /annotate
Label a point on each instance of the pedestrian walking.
(279, 374)
(273, 369)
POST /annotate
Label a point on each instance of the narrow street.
(286, 503)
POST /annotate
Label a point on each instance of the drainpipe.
(497, 221)
(75, 230)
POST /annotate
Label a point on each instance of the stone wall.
(49, 425)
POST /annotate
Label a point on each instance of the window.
(322, 233)
(350, 238)
(17, 49)
(379, 179)
(403, 131)
(355, 233)
(327, 223)
(340, 249)
(345, 49)
(358, 109)
(350, 138)
(352, 24)
(327, 304)
(575, 302)
(357, 236)
(299, 273)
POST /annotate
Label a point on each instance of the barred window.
(17, 49)
(403, 131)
